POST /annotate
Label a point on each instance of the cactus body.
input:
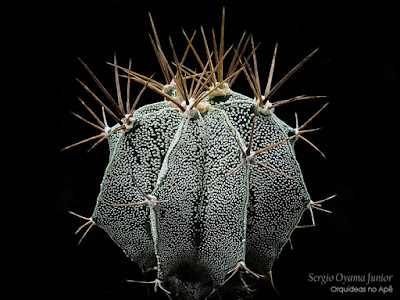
(203, 226)
(204, 184)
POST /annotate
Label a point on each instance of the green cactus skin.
(201, 194)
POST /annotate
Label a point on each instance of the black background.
(357, 67)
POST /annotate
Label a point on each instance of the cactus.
(203, 186)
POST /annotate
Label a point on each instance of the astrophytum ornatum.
(204, 184)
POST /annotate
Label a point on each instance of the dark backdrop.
(356, 67)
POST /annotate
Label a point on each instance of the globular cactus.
(204, 185)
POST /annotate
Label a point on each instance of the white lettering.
(385, 289)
